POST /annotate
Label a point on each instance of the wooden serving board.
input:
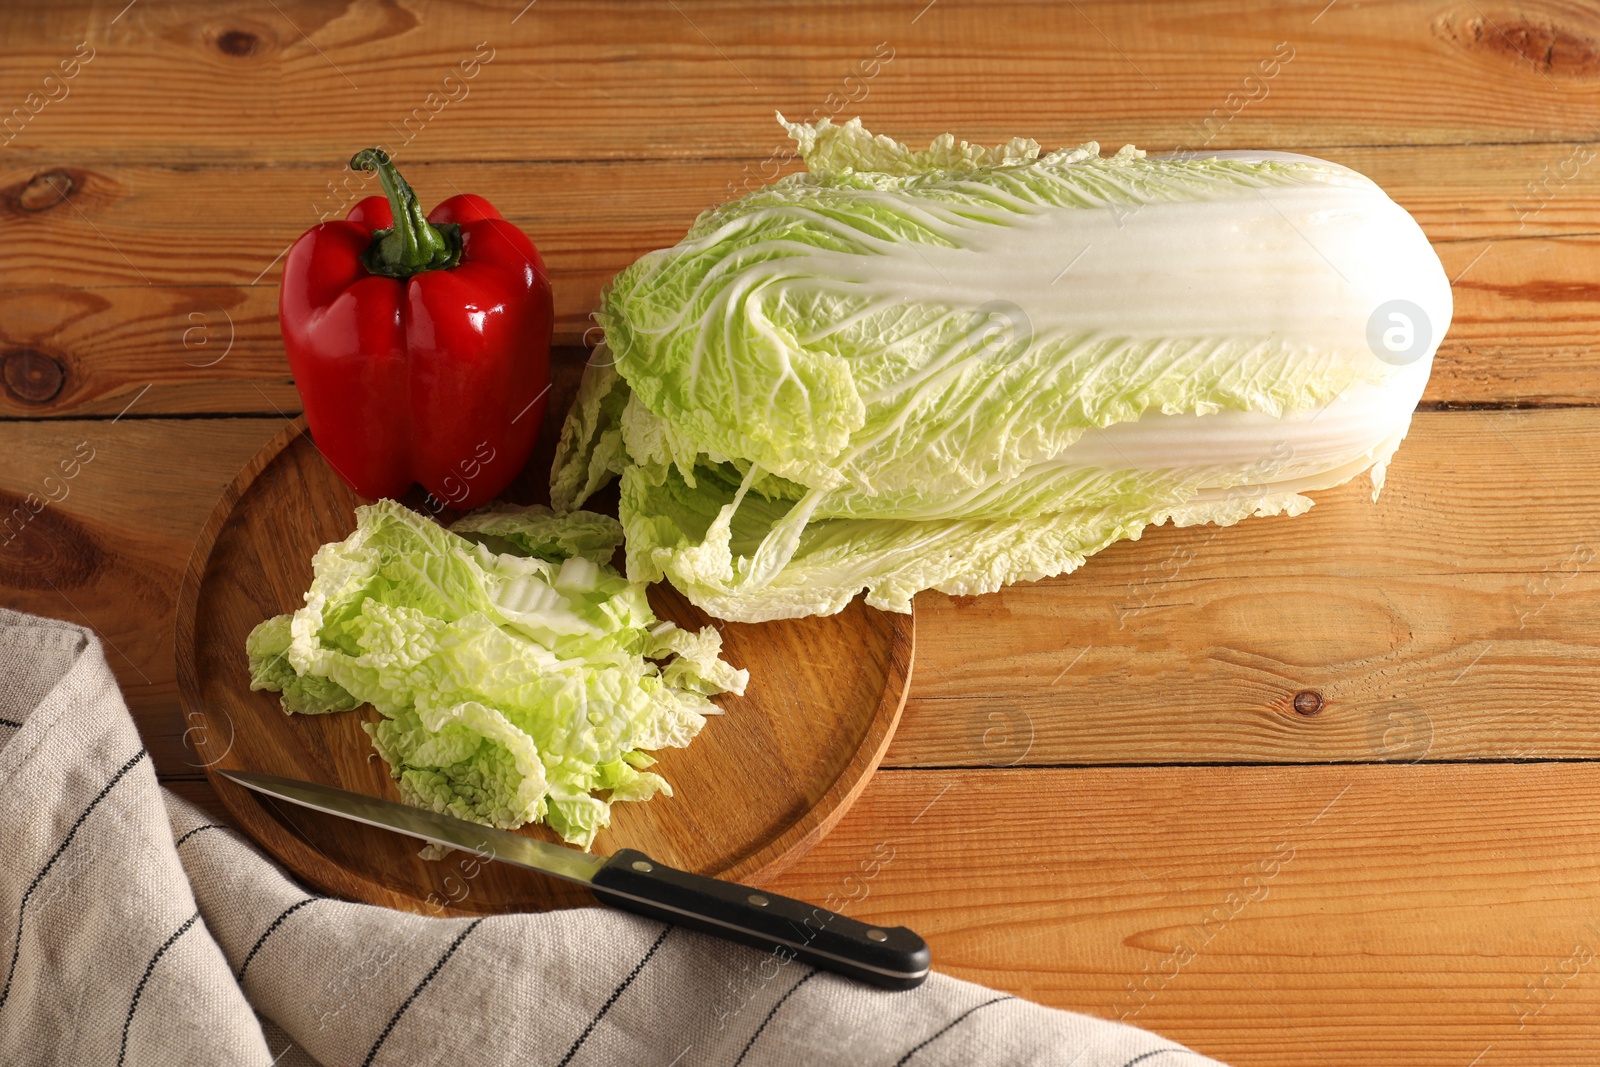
(760, 785)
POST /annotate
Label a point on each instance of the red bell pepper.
(420, 346)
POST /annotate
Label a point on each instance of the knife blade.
(891, 957)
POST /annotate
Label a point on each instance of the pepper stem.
(413, 244)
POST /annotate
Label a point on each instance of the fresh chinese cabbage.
(963, 367)
(517, 674)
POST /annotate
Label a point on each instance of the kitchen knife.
(892, 957)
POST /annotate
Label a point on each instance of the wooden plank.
(115, 224)
(1391, 916)
(121, 284)
(1433, 623)
(1454, 619)
(144, 349)
(1524, 327)
(693, 80)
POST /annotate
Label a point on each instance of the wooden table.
(1309, 791)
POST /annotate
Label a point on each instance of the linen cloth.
(135, 930)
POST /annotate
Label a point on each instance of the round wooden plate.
(760, 785)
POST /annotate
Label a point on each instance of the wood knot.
(32, 377)
(1550, 47)
(1307, 702)
(45, 190)
(238, 43)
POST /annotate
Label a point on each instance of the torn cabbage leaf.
(519, 677)
(962, 367)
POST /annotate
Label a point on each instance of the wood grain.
(801, 742)
(266, 81)
(1281, 917)
(122, 285)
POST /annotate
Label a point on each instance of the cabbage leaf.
(518, 677)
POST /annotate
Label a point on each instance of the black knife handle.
(890, 956)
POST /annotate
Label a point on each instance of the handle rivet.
(877, 935)
(642, 867)
(757, 899)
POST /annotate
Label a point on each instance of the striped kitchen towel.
(135, 930)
